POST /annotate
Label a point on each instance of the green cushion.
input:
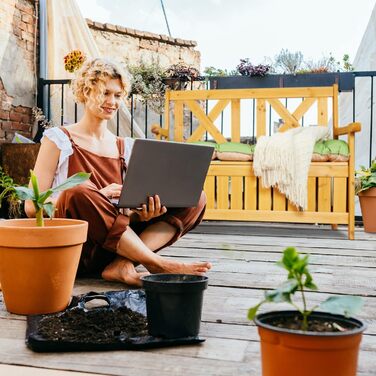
(236, 147)
(321, 148)
(338, 147)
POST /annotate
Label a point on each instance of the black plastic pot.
(174, 304)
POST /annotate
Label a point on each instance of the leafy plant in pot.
(305, 341)
(9, 202)
(365, 188)
(38, 258)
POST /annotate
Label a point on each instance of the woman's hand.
(152, 210)
(112, 191)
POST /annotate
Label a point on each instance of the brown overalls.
(106, 224)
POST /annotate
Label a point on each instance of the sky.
(228, 30)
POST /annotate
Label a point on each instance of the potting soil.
(314, 325)
(119, 325)
(95, 326)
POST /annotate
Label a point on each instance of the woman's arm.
(44, 169)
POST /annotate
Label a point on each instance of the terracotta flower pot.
(287, 352)
(367, 200)
(38, 265)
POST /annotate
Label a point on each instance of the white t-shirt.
(63, 143)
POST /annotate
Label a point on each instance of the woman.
(116, 242)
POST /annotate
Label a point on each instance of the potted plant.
(39, 259)
(289, 70)
(9, 202)
(179, 75)
(148, 85)
(365, 188)
(305, 341)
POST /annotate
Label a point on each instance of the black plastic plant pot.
(174, 304)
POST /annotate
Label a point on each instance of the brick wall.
(131, 46)
(18, 24)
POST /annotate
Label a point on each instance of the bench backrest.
(192, 100)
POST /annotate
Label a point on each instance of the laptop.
(174, 171)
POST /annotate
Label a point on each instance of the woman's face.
(113, 95)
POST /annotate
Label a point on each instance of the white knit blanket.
(283, 159)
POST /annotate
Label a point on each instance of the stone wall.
(127, 45)
(17, 66)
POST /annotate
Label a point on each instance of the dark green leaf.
(44, 196)
(49, 208)
(290, 255)
(342, 305)
(253, 310)
(72, 181)
(24, 193)
(309, 281)
(283, 292)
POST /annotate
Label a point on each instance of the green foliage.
(218, 72)
(288, 62)
(294, 63)
(365, 178)
(8, 193)
(39, 198)
(347, 66)
(299, 279)
(147, 83)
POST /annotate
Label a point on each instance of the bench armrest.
(159, 131)
(350, 128)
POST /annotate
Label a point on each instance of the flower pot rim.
(369, 191)
(169, 278)
(359, 325)
(26, 234)
(49, 223)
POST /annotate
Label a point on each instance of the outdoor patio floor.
(243, 257)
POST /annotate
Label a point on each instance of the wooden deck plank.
(243, 258)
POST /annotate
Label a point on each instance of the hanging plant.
(74, 60)
(180, 74)
(147, 83)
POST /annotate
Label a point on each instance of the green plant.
(147, 83)
(288, 62)
(39, 198)
(8, 194)
(299, 279)
(365, 178)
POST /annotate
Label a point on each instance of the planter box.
(18, 159)
(345, 81)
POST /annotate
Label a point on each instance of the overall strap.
(65, 130)
(121, 148)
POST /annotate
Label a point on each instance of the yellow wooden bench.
(233, 192)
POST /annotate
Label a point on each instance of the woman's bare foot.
(123, 270)
(174, 267)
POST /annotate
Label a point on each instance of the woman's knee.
(202, 201)
(78, 194)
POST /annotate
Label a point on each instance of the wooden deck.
(243, 256)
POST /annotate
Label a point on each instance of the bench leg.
(351, 227)
(334, 227)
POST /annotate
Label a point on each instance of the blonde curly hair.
(92, 77)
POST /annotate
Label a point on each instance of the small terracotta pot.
(38, 265)
(367, 200)
(287, 352)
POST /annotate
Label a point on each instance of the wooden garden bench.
(233, 192)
